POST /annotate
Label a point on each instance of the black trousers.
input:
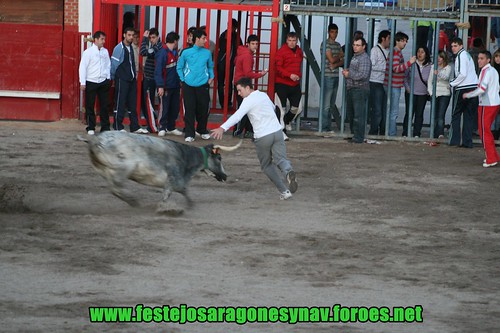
(291, 93)
(147, 84)
(422, 36)
(101, 90)
(196, 107)
(221, 78)
(419, 102)
(126, 99)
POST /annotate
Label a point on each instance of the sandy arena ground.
(395, 224)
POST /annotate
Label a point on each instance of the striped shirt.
(149, 51)
(336, 50)
(399, 67)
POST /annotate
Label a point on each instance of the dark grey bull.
(118, 156)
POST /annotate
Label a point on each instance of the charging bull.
(118, 156)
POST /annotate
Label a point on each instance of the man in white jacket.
(489, 104)
(268, 136)
(465, 81)
(95, 73)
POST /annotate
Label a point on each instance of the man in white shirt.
(94, 75)
(268, 136)
(489, 104)
(378, 97)
(465, 81)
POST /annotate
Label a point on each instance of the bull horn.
(225, 148)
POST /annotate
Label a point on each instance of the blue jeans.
(170, 101)
(378, 103)
(441, 107)
(357, 99)
(329, 108)
(393, 114)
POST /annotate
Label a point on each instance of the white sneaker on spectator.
(162, 133)
(285, 195)
(328, 134)
(90, 132)
(189, 139)
(205, 136)
(486, 165)
(175, 131)
(141, 131)
(285, 137)
(123, 130)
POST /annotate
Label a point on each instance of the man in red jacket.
(288, 73)
(244, 64)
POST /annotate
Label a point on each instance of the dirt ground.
(395, 224)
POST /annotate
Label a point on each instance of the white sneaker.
(285, 137)
(486, 165)
(328, 134)
(90, 132)
(123, 130)
(205, 136)
(175, 131)
(441, 136)
(189, 139)
(162, 133)
(285, 195)
(141, 131)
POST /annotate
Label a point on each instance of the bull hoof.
(169, 209)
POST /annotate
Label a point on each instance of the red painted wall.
(31, 62)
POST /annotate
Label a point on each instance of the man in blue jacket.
(125, 76)
(168, 83)
(196, 72)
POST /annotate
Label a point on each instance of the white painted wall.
(85, 10)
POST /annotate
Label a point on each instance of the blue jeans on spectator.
(357, 99)
(170, 101)
(378, 107)
(442, 103)
(394, 111)
(329, 109)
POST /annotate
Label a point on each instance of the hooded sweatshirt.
(243, 64)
